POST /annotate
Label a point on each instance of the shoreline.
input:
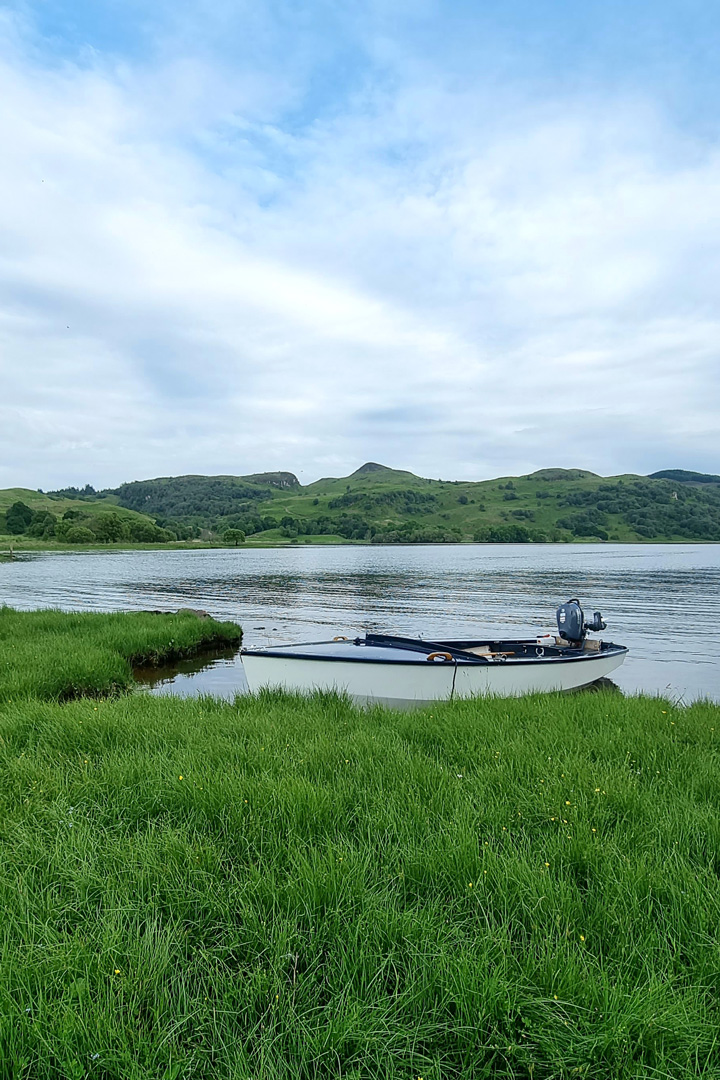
(8, 551)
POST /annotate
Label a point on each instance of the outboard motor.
(571, 622)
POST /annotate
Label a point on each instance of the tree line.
(76, 527)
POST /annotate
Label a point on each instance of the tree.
(18, 518)
(143, 532)
(109, 528)
(503, 534)
(78, 534)
(43, 524)
(234, 537)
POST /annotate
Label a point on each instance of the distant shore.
(8, 548)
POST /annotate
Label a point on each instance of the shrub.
(78, 534)
(509, 534)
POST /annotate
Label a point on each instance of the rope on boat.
(446, 656)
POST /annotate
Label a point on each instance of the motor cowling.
(571, 622)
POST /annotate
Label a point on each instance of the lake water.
(663, 601)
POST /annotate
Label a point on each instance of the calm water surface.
(663, 601)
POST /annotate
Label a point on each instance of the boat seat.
(485, 650)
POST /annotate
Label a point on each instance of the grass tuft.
(55, 655)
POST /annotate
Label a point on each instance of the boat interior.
(492, 650)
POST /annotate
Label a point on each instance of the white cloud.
(445, 280)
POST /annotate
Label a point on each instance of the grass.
(55, 655)
(15, 545)
(285, 887)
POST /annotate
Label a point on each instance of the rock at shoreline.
(199, 612)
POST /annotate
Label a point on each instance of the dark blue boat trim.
(458, 658)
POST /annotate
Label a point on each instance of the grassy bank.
(283, 887)
(56, 655)
(11, 546)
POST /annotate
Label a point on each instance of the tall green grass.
(287, 887)
(53, 654)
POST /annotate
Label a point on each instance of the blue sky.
(464, 239)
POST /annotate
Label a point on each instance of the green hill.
(377, 504)
(49, 518)
(684, 476)
(383, 505)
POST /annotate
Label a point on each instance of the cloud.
(198, 275)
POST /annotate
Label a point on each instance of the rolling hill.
(48, 515)
(378, 504)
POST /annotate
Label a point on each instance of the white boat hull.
(416, 684)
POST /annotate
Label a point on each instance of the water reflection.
(219, 673)
(663, 601)
(165, 673)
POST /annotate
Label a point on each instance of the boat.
(403, 672)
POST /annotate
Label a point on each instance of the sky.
(468, 239)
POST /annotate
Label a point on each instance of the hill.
(75, 518)
(387, 506)
(683, 476)
(378, 504)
